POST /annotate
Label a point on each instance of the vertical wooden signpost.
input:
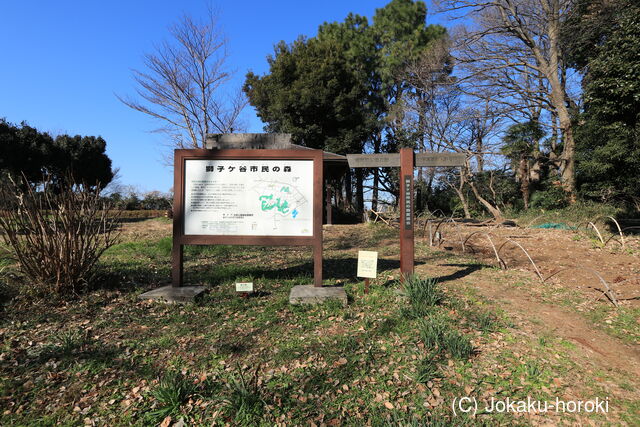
(406, 160)
(247, 197)
(406, 211)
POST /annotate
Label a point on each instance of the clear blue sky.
(64, 61)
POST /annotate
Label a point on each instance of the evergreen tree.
(609, 131)
(26, 151)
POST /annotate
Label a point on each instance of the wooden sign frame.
(407, 160)
(180, 239)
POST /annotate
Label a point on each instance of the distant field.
(397, 356)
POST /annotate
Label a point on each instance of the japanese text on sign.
(248, 197)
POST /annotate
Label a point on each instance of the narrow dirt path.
(600, 349)
(603, 358)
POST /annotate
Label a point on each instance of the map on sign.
(282, 200)
(248, 197)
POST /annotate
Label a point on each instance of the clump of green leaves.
(173, 390)
(245, 400)
(433, 329)
(427, 369)
(438, 334)
(456, 344)
(423, 294)
(484, 321)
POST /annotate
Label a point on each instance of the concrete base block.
(308, 294)
(171, 294)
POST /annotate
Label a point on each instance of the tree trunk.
(376, 176)
(463, 199)
(569, 163)
(493, 210)
(359, 191)
(348, 191)
(523, 173)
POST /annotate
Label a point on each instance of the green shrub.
(553, 197)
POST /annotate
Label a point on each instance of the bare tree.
(183, 84)
(514, 50)
(447, 119)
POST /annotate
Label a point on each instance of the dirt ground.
(574, 260)
(573, 266)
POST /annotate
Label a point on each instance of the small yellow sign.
(367, 264)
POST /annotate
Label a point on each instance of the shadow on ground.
(466, 270)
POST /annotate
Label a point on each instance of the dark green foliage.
(24, 150)
(402, 36)
(331, 91)
(521, 139)
(83, 158)
(153, 200)
(549, 197)
(313, 92)
(77, 159)
(588, 26)
(608, 138)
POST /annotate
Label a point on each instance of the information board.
(248, 197)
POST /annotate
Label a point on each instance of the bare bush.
(56, 234)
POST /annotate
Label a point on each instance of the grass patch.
(245, 400)
(427, 369)
(378, 232)
(173, 391)
(423, 294)
(115, 360)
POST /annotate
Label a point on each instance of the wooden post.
(318, 181)
(177, 249)
(328, 206)
(176, 264)
(406, 212)
(405, 159)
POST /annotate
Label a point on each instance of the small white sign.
(244, 287)
(367, 264)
